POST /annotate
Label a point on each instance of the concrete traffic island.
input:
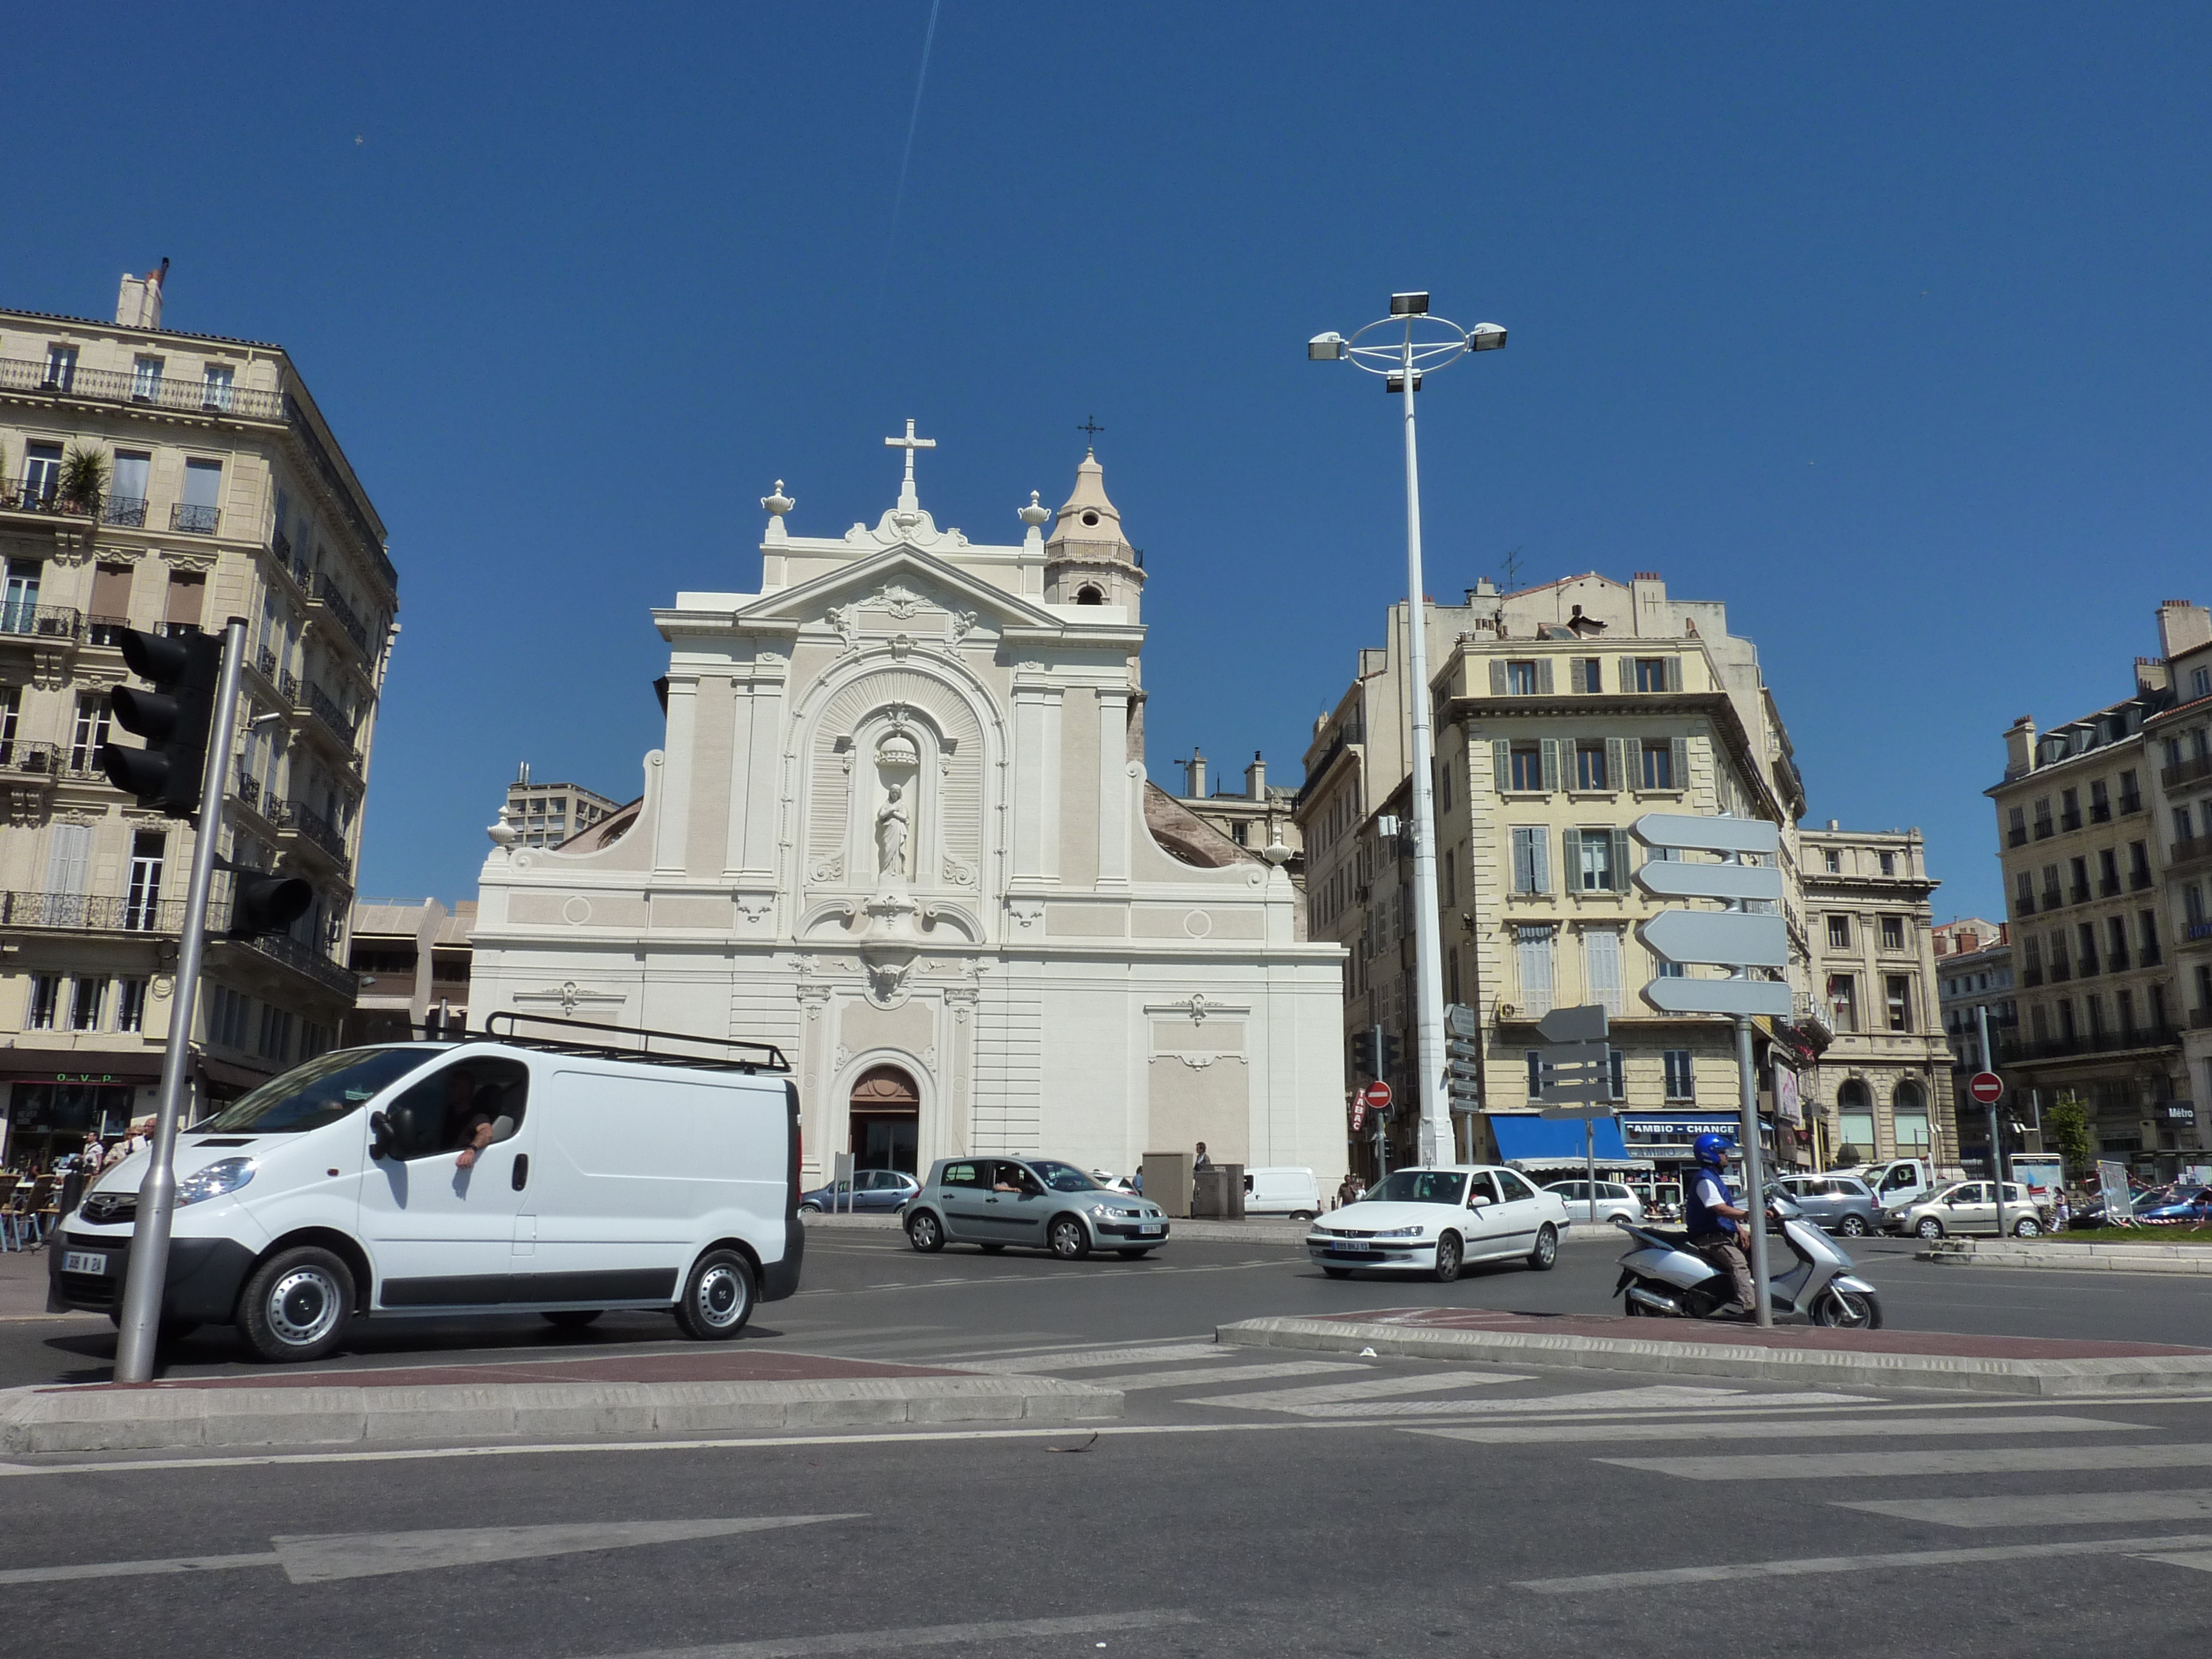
(2056, 1256)
(684, 1393)
(2015, 1366)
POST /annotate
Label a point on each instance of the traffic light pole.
(140, 1324)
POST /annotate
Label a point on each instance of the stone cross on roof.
(907, 501)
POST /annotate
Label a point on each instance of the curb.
(2032, 1378)
(167, 1418)
(2072, 1258)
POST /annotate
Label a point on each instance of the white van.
(499, 1174)
(1290, 1192)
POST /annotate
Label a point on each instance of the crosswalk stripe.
(1964, 1460)
(1375, 1388)
(1596, 1400)
(2048, 1509)
(2200, 1559)
(1822, 1564)
(1811, 1428)
(1203, 1376)
(1085, 1360)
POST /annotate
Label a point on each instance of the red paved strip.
(745, 1366)
(1812, 1337)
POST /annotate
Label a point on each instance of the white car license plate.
(1148, 1227)
(84, 1261)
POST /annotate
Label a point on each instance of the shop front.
(50, 1113)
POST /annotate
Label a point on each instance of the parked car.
(1899, 1184)
(869, 1192)
(2092, 1213)
(2193, 1210)
(1613, 1199)
(1838, 1203)
(1433, 1221)
(1038, 1202)
(1965, 1207)
(1292, 1192)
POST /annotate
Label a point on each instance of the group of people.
(92, 1157)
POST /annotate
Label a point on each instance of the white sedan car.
(1433, 1221)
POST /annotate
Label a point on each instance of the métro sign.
(1986, 1087)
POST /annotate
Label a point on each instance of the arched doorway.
(886, 1120)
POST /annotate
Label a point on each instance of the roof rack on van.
(501, 1027)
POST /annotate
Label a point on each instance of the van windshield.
(321, 1092)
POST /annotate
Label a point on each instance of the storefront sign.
(1786, 1106)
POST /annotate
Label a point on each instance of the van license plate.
(84, 1261)
(1149, 1227)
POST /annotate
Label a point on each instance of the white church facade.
(900, 827)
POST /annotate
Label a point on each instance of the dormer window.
(1088, 595)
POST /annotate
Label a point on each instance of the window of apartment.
(2023, 893)
(1855, 1120)
(1586, 674)
(2183, 827)
(1444, 769)
(2100, 803)
(2044, 828)
(19, 609)
(1534, 947)
(2038, 1022)
(45, 1002)
(2108, 872)
(2085, 952)
(1898, 989)
(130, 1004)
(1843, 998)
(1535, 1059)
(61, 367)
(2131, 795)
(42, 474)
(1590, 855)
(1893, 933)
(275, 1036)
(87, 996)
(2051, 895)
(2158, 1021)
(1651, 674)
(2093, 1005)
(2016, 826)
(2193, 902)
(10, 710)
(89, 734)
(1889, 864)
(1602, 968)
(198, 510)
(2059, 967)
(148, 852)
(2200, 682)
(1527, 767)
(1908, 1117)
(2125, 1002)
(2070, 809)
(2079, 870)
(1659, 764)
(1450, 873)
(145, 377)
(2173, 747)
(216, 379)
(2066, 1031)
(186, 602)
(1589, 767)
(2200, 745)
(1532, 865)
(1840, 932)
(1833, 861)
(1681, 1079)
(2146, 931)
(128, 484)
(2116, 943)
(1520, 679)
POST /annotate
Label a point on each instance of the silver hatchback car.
(1839, 1203)
(1039, 1202)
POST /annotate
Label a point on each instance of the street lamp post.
(1403, 347)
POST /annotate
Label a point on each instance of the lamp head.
(1409, 305)
(1485, 336)
(1325, 348)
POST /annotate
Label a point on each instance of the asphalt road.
(1330, 1505)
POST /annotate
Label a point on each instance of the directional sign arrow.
(1725, 937)
(1594, 1109)
(1675, 878)
(1584, 1023)
(1718, 996)
(1707, 834)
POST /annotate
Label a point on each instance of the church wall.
(1078, 783)
(714, 733)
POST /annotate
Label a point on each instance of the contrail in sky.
(913, 121)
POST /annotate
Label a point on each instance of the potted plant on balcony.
(84, 480)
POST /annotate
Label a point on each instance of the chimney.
(2020, 748)
(138, 303)
(1647, 597)
(1195, 774)
(1255, 779)
(2181, 626)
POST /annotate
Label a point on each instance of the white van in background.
(1901, 1183)
(560, 1173)
(1290, 1192)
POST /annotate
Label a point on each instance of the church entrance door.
(886, 1121)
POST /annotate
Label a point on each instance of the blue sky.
(1884, 323)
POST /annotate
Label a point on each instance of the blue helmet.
(1712, 1151)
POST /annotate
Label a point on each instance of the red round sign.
(1986, 1087)
(1376, 1096)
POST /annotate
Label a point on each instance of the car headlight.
(1402, 1232)
(224, 1175)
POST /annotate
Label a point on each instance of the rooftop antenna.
(1510, 572)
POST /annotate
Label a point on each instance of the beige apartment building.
(2085, 857)
(1883, 1084)
(1974, 971)
(411, 959)
(1264, 815)
(160, 480)
(547, 814)
(2178, 748)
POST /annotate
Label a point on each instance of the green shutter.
(1674, 673)
(1501, 762)
(1620, 882)
(1497, 677)
(1551, 762)
(1540, 849)
(1627, 673)
(1543, 676)
(1680, 761)
(1571, 862)
(1617, 752)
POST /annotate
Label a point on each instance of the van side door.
(439, 1234)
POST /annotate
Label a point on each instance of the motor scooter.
(1662, 1277)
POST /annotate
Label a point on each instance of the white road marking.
(924, 1636)
(1205, 1375)
(1286, 1400)
(1600, 1399)
(1082, 1360)
(138, 1569)
(1763, 1428)
(1826, 1563)
(2200, 1559)
(1965, 1459)
(2048, 1509)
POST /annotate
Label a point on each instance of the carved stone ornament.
(1026, 911)
(754, 907)
(961, 625)
(828, 870)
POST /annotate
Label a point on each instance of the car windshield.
(1063, 1177)
(1419, 1187)
(321, 1092)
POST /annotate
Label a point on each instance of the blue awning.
(1552, 1138)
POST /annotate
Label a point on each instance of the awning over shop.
(80, 1065)
(1554, 1139)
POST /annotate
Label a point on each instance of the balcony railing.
(2017, 835)
(324, 592)
(265, 660)
(282, 947)
(2100, 811)
(196, 520)
(249, 791)
(25, 758)
(124, 512)
(2095, 1042)
(44, 622)
(2138, 879)
(86, 912)
(2043, 830)
(325, 710)
(2079, 895)
(2025, 904)
(2188, 851)
(108, 385)
(102, 631)
(290, 815)
(2108, 886)
(2131, 804)
(2051, 898)
(2188, 771)
(2151, 955)
(2200, 1018)
(2030, 976)
(40, 495)
(2070, 821)
(2116, 959)
(2060, 972)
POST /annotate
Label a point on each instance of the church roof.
(1087, 516)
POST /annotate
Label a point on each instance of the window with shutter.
(1535, 954)
(1627, 673)
(1601, 967)
(1616, 763)
(1543, 676)
(1680, 761)
(1550, 750)
(1674, 673)
(1620, 860)
(68, 858)
(1497, 677)
(1543, 863)
(1501, 763)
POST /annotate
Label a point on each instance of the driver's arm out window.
(437, 1114)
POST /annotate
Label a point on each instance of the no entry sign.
(1376, 1096)
(1986, 1087)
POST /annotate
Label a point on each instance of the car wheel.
(1852, 1226)
(718, 1297)
(809, 1209)
(571, 1319)
(2029, 1227)
(1547, 1248)
(925, 1231)
(1338, 1272)
(1302, 1215)
(1929, 1228)
(1449, 1255)
(1069, 1239)
(990, 1249)
(296, 1304)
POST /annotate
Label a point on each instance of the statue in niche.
(890, 836)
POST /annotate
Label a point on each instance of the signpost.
(1462, 1066)
(1988, 1088)
(1738, 938)
(1578, 1080)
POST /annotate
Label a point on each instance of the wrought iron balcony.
(265, 660)
(2108, 886)
(304, 959)
(25, 758)
(2079, 893)
(249, 791)
(2131, 804)
(324, 592)
(102, 631)
(2025, 904)
(2093, 1042)
(90, 913)
(44, 622)
(2195, 849)
(2043, 829)
(2070, 821)
(2100, 811)
(2138, 879)
(326, 711)
(43, 495)
(124, 512)
(109, 386)
(2017, 835)
(2188, 771)
(291, 815)
(2150, 955)
(195, 520)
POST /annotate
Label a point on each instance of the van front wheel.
(718, 1297)
(296, 1306)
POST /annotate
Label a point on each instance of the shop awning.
(1551, 1138)
(80, 1065)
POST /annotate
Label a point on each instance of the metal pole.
(1754, 1183)
(1428, 970)
(1589, 1164)
(140, 1324)
(1996, 1143)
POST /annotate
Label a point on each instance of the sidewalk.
(2017, 1366)
(718, 1391)
(2057, 1256)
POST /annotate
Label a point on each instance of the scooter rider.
(1716, 1226)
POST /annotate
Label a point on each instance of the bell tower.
(1087, 559)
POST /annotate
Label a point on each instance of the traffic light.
(1363, 1053)
(173, 718)
(263, 903)
(1389, 1055)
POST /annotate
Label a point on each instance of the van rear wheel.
(718, 1297)
(296, 1306)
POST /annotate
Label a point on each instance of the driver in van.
(469, 1126)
